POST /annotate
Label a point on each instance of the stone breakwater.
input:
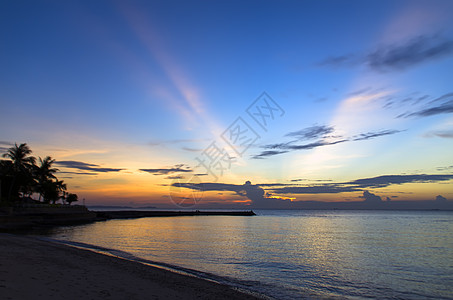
(129, 214)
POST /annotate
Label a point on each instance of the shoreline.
(217, 279)
(33, 268)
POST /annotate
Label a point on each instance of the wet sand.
(36, 269)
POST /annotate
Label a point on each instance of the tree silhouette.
(44, 174)
(72, 198)
(21, 165)
(26, 177)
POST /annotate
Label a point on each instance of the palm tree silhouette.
(22, 163)
(44, 173)
(26, 177)
(61, 187)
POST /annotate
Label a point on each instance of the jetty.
(131, 214)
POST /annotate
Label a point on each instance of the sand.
(34, 269)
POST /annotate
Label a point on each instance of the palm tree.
(21, 165)
(44, 173)
(22, 175)
(60, 186)
(51, 190)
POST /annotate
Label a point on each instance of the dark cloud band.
(72, 164)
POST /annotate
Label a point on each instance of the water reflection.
(364, 254)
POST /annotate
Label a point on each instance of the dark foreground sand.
(35, 269)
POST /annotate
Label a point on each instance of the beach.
(35, 269)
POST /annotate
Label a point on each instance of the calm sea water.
(296, 254)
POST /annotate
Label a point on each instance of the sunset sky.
(130, 96)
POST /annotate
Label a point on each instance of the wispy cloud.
(265, 154)
(371, 135)
(361, 184)
(181, 168)
(446, 134)
(339, 61)
(192, 105)
(191, 149)
(175, 177)
(316, 189)
(444, 108)
(400, 56)
(72, 164)
(410, 53)
(386, 180)
(312, 132)
(78, 173)
(322, 132)
(444, 168)
(6, 143)
(4, 146)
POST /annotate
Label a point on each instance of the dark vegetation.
(23, 178)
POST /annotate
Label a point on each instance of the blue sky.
(150, 84)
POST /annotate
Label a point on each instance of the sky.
(233, 103)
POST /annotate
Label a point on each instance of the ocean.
(292, 254)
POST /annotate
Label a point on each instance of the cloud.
(272, 195)
(255, 193)
(446, 134)
(265, 154)
(339, 61)
(444, 108)
(72, 164)
(191, 149)
(316, 132)
(175, 177)
(164, 171)
(78, 173)
(312, 132)
(363, 91)
(437, 106)
(447, 96)
(316, 189)
(238, 189)
(360, 184)
(412, 52)
(440, 198)
(305, 179)
(314, 145)
(372, 198)
(386, 180)
(401, 56)
(209, 186)
(5, 143)
(444, 168)
(371, 135)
